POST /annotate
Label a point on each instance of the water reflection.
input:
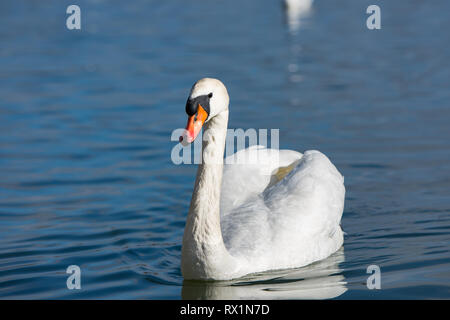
(294, 66)
(296, 12)
(320, 280)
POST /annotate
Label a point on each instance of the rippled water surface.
(86, 118)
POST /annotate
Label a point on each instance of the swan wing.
(249, 171)
(293, 222)
(310, 199)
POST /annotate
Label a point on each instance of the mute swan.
(302, 5)
(242, 220)
(296, 10)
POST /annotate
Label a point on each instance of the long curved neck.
(204, 255)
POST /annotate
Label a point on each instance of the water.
(86, 118)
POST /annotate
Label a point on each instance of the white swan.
(298, 5)
(296, 10)
(242, 220)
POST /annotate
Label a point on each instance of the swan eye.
(210, 95)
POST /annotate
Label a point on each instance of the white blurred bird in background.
(296, 10)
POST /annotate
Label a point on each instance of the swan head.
(207, 99)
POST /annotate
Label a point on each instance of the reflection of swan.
(287, 218)
(320, 280)
(296, 10)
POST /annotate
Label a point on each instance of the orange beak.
(194, 125)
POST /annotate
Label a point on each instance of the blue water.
(86, 118)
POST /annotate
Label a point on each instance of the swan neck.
(203, 251)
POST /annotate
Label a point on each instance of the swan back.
(293, 222)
